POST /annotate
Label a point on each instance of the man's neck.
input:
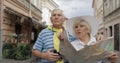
(58, 27)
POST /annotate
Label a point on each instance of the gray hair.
(57, 10)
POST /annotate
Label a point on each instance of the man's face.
(57, 18)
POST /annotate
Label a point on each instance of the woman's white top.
(78, 44)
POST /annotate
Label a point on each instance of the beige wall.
(98, 13)
(34, 11)
(111, 15)
(8, 28)
(111, 23)
(21, 8)
(1, 19)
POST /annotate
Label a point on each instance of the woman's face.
(81, 30)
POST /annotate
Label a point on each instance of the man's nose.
(56, 17)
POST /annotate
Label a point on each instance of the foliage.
(8, 51)
(19, 51)
(22, 51)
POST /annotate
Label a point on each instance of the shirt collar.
(91, 42)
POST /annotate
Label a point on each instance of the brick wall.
(8, 25)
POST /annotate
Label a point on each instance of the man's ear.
(51, 18)
(63, 19)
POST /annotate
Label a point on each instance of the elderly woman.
(84, 28)
(82, 31)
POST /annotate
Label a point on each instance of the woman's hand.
(113, 56)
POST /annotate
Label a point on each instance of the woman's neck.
(85, 39)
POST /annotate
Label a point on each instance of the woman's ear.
(87, 30)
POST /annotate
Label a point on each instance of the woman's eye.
(81, 25)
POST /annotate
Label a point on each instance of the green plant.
(19, 51)
(8, 51)
(22, 51)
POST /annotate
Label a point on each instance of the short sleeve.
(38, 44)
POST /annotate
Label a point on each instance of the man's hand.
(61, 36)
(49, 55)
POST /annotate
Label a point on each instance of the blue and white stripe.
(44, 42)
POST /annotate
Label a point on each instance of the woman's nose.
(79, 28)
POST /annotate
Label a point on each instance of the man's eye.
(59, 15)
(53, 15)
(56, 15)
(76, 26)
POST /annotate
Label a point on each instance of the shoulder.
(75, 41)
(45, 32)
(93, 40)
(70, 37)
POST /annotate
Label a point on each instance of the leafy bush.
(8, 51)
(19, 51)
(22, 52)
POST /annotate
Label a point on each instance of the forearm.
(38, 54)
(47, 55)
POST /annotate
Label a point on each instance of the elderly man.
(48, 41)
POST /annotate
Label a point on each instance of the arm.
(37, 53)
(112, 57)
(38, 47)
(47, 55)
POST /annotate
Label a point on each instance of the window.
(118, 3)
(110, 28)
(111, 5)
(106, 32)
(117, 37)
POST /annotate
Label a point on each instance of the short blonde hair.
(81, 21)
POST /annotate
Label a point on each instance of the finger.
(112, 54)
(114, 57)
(60, 36)
(54, 55)
(53, 59)
(50, 50)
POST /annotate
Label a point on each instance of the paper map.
(90, 54)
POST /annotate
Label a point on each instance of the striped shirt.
(45, 42)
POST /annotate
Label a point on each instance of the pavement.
(16, 61)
